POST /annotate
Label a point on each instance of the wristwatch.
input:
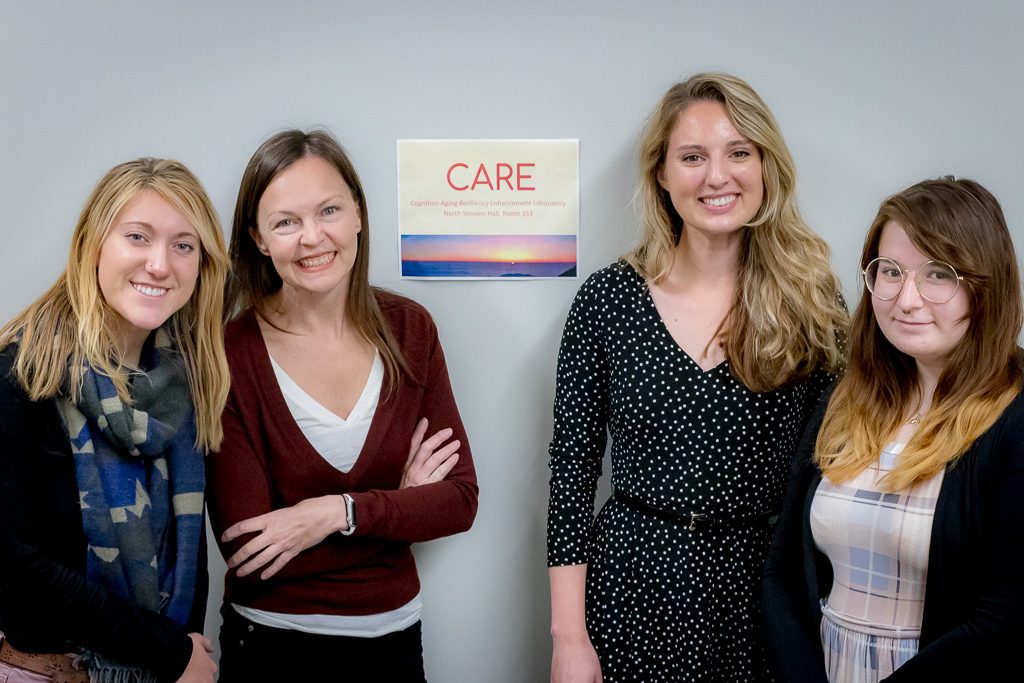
(350, 514)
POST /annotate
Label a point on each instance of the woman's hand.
(575, 661)
(282, 534)
(200, 667)
(429, 461)
(573, 658)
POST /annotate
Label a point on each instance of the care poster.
(483, 209)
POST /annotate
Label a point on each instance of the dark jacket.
(974, 596)
(46, 603)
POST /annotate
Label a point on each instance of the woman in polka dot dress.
(701, 352)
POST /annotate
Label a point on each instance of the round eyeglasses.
(936, 281)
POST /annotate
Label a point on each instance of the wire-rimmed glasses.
(936, 281)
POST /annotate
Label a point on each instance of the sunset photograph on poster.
(486, 256)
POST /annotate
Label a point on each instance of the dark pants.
(253, 652)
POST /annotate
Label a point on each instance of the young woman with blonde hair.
(111, 390)
(702, 352)
(900, 546)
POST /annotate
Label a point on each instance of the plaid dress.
(878, 545)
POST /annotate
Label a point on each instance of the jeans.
(254, 652)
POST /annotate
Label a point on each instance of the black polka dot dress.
(664, 603)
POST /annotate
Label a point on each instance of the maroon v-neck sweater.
(266, 463)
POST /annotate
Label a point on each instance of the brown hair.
(960, 222)
(254, 278)
(788, 318)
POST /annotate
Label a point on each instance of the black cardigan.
(974, 596)
(46, 603)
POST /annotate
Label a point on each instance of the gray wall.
(872, 96)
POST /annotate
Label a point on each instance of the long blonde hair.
(788, 317)
(254, 278)
(72, 324)
(960, 222)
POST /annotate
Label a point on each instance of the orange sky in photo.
(496, 248)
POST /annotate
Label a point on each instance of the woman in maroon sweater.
(325, 477)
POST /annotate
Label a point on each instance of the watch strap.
(350, 515)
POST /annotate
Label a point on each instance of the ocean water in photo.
(487, 269)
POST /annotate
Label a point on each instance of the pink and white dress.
(878, 545)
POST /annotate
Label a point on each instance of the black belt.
(696, 521)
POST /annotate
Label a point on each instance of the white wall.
(872, 96)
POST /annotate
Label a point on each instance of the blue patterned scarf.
(140, 480)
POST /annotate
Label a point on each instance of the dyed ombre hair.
(961, 223)
(788, 318)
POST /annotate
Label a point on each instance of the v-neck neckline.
(663, 329)
(278, 408)
(371, 390)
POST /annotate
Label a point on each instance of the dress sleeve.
(423, 513)
(580, 429)
(984, 646)
(73, 609)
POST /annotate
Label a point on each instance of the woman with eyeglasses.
(899, 551)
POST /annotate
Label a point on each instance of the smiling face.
(308, 223)
(925, 331)
(711, 171)
(148, 265)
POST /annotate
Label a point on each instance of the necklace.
(915, 419)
